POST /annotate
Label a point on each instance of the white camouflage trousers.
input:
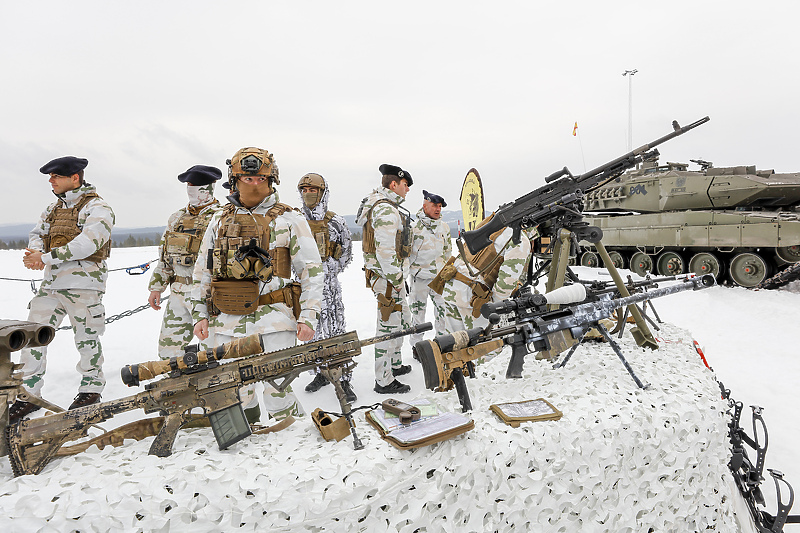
(388, 354)
(418, 304)
(177, 326)
(278, 404)
(86, 313)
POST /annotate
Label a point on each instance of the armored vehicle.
(736, 222)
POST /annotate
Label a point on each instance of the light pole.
(630, 74)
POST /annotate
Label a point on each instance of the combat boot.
(20, 410)
(395, 387)
(318, 382)
(349, 394)
(401, 370)
(83, 399)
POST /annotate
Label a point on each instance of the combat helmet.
(312, 199)
(251, 161)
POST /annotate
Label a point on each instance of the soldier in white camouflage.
(386, 244)
(335, 246)
(430, 251)
(177, 255)
(255, 243)
(70, 242)
(493, 274)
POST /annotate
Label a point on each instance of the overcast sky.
(146, 89)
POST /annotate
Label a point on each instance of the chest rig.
(322, 236)
(63, 222)
(182, 243)
(403, 238)
(236, 270)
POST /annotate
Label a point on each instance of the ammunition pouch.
(289, 295)
(235, 297)
(447, 273)
(180, 248)
(335, 250)
(329, 428)
(405, 237)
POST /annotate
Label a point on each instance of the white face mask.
(200, 194)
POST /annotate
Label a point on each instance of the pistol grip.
(162, 444)
(518, 353)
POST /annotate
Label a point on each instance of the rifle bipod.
(614, 346)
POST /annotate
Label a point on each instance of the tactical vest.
(182, 243)
(64, 228)
(403, 238)
(235, 290)
(236, 230)
(322, 236)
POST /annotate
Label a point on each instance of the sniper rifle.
(195, 380)
(447, 358)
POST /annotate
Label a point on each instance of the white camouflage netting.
(619, 460)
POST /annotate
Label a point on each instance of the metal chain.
(123, 314)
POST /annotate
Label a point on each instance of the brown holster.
(447, 273)
(386, 303)
(289, 295)
(481, 293)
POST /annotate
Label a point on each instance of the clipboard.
(423, 432)
(514, 413)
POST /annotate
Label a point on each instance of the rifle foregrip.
(162, 445)
(518, 353)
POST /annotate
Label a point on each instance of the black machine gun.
(560, 202)
(446, 359)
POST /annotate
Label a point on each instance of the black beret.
(391, 170)
(435, 198)
(200, 175)
(64, 166)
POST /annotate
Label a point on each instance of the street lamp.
(630, 74)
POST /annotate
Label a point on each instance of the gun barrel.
(695, 283)
(426, 326)
(642, 149)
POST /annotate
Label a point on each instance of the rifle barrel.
(426, 326)
(644, 148)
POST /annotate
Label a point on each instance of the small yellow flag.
(575, 130)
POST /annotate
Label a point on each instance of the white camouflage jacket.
(63, 266)
(387, 222)
(431, 247)
(290, 230)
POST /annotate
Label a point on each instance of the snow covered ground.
(286, 480)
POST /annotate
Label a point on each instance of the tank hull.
(743, 246)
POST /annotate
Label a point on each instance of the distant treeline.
(129, 241)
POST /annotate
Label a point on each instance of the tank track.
(781, 278)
